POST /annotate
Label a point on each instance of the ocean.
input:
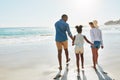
(24, 34)
(30, 53)
(12, 35)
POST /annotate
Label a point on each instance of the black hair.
(79, 28)
(64, 15)
(91, 23)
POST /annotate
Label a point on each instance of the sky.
(40, 13)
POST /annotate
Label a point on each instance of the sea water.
(12, 35)
(24, 34)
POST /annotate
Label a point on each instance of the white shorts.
(79, 50)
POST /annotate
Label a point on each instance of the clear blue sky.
(17, 13)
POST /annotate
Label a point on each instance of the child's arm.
(87, 40)
(73, 41)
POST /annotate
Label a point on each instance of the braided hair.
(79, 28)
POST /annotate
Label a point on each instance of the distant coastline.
(111, 22)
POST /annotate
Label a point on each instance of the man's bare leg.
(60, 59)
(67, 55)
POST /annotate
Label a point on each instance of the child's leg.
(82, 60)
(77, 61)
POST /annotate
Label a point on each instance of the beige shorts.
(61, 45)
(79, 50)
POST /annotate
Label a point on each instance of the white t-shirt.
(96, 35)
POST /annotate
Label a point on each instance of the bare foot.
(82, 67)
(94, 67)
(68, 61)
(60, 68)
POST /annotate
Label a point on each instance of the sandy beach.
(38, 60)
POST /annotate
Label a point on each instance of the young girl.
(96, 37)
(78, 41)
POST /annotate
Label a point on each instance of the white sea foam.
(32, 35)
(30, 39)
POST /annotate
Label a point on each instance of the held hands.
(72, 43)
(102, 47)
(92, 44)
(73, 38)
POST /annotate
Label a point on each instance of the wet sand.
(38, 61)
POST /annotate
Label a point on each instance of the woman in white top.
(78, 41)
(96, 37)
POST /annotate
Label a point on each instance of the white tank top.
(79, 40)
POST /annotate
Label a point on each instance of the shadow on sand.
(64, 77)
(57, 77)
(102, 75)
(83, 76)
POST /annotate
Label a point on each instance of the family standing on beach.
(61, 39)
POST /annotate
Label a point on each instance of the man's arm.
(69, 32)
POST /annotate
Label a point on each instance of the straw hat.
(95, 22)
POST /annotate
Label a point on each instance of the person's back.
(61, 39)
(96, 35)
(61, 28)
(79, 40)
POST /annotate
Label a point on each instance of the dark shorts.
(96, 44)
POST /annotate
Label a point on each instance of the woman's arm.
(101, 40)
(87, 40)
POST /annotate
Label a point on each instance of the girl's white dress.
(79, 42)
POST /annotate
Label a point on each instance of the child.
(78, 41)
(96, 37)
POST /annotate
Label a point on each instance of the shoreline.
(38, 60)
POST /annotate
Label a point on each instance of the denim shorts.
(96, 44)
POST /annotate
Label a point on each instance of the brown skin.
(66, 50)
(65, 18)
(60, 57)
(95, 52)
(80, 55)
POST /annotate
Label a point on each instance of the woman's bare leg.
(94, 57)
